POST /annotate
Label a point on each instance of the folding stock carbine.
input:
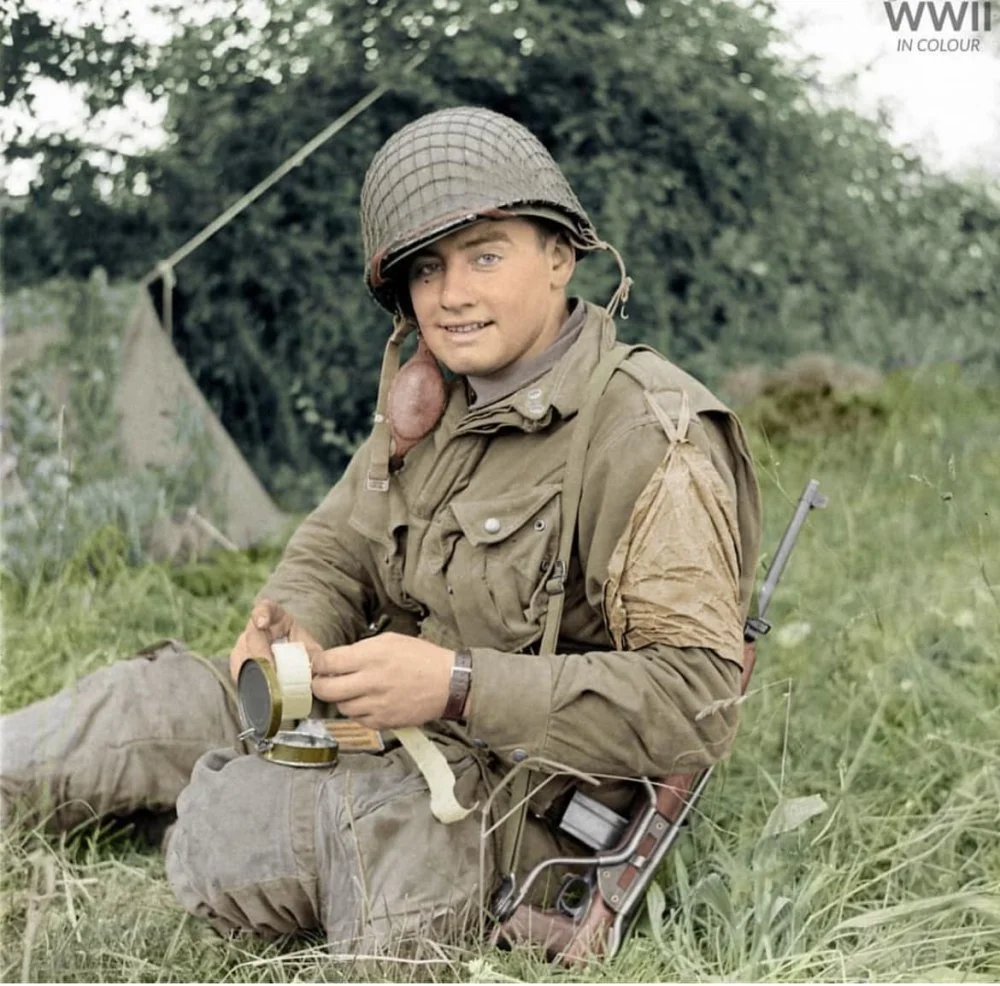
(597, 906)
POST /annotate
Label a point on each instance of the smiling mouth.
(466, 328)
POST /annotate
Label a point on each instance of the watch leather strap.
(458, 685)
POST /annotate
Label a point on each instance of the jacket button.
(518, 755)
(492, 525)
(479, 744)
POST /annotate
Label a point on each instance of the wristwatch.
(459, 685)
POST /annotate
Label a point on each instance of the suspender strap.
(377, 480)
(573, 490)
(556, 585)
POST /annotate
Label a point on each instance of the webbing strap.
(572, 492)
(433, 764)
(378, 466)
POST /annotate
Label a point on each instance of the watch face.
(259, 697)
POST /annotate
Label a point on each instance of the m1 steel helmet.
(449, 169)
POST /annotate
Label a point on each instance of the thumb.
(272, 618)
(268, 621)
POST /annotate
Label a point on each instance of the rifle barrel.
(811, 497)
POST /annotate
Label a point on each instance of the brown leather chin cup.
(416, 400)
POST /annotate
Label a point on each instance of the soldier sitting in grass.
(533, 619)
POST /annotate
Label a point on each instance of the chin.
(468, 364)
(472, 370)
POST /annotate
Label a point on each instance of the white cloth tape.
(295, 678)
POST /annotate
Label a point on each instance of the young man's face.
(490, 294)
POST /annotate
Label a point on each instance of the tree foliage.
(35, 47)
(74, 215)
(756, 221)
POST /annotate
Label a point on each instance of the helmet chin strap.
(378, 467)
(410, 403)
(589, 240)
(416, 400)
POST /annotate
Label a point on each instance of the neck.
(503, 383)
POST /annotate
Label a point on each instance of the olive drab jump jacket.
(461, 546)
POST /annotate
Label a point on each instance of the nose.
(456, 287)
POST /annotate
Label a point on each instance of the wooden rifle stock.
(617, 886)
(564, 939)
(572, 941)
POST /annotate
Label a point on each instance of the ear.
(563, 261)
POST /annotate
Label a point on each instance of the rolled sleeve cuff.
(510, 701)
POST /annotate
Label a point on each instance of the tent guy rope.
(165, 268)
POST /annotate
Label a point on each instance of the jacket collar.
(560, 390)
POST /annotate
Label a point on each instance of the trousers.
(352, 849)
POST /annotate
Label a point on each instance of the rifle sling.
(571, 494)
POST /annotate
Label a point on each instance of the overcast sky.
(946, 104)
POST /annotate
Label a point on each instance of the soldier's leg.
(121, 739)
(353, 849)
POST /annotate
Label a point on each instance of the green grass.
(878, 692)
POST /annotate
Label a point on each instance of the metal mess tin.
(262, 711)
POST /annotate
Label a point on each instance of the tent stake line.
(164, 269)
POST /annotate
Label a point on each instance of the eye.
(488, 259)
(423, 269)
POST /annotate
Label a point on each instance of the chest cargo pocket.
(504, 549)
(385, 521)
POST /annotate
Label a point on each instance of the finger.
(343, 660)
(340, 688)
(304, 637)
(360, 711)
(268, 615)
(258, 642)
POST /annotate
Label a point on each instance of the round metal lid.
(299, 749)
(259, 695)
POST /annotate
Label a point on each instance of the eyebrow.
(494, 236)
(487, 236)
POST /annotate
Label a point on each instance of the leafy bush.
(758, 221)
(812, 395)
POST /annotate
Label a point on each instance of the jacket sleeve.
(324, 578)
(652, 709)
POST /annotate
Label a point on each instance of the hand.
(269, 622)
(386, 681)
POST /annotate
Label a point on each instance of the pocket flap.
(490, 521)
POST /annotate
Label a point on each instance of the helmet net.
(450, 168)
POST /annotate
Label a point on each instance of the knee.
(231, 856)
